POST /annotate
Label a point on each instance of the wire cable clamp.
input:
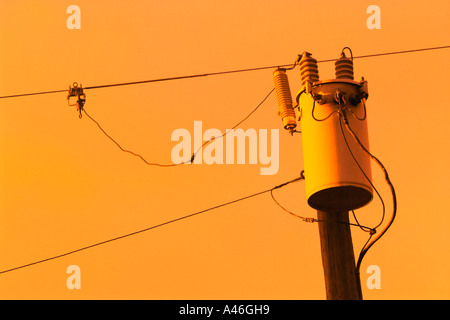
(77, 91)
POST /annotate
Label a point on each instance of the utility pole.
(338, 259)
(337, 171)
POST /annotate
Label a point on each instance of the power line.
(180, 77)
(32, 94)
(219, 73)
(150, 228)
(399, 52)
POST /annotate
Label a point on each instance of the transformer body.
(334, 181)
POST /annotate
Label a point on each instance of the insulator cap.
(308, 68)
(344, 68)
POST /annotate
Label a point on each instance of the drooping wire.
(323, 119)
(365, 111)
(234, 127)
(307, 219)
(337, 110)
(391, 186)
(191, 160)
(290, 212)
(363, 228)
(340, 113)
(219, 73)
(350, 50)
(369, 243)
(128, 151)
(150, 228)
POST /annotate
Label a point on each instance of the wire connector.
(77, 91)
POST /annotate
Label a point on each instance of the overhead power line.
(152, 227)
(217, 73)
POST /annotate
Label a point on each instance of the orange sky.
(64, 185)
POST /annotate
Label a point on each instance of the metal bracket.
(77, 91)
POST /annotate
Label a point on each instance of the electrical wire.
(151, 80)
(307, 219)
(350, 50)
(290, 212)
(365, 111)
(219, 73)
(191, 160)
(323, 119)
(235, 126)
(128, 151)
(150, 228)
(32, 94)
(340, 113)
(372, 231)
(369, 243)
(363, 228)
(397, 52)
(391, 186)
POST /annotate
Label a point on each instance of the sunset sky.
(64, 185)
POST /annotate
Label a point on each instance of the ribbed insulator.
(344, 68)
(284, 98)
(308, 69)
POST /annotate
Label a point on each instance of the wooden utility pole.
(338, 258)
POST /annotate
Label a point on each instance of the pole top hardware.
(77, 91)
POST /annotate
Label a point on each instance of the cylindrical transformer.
(334, 181)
